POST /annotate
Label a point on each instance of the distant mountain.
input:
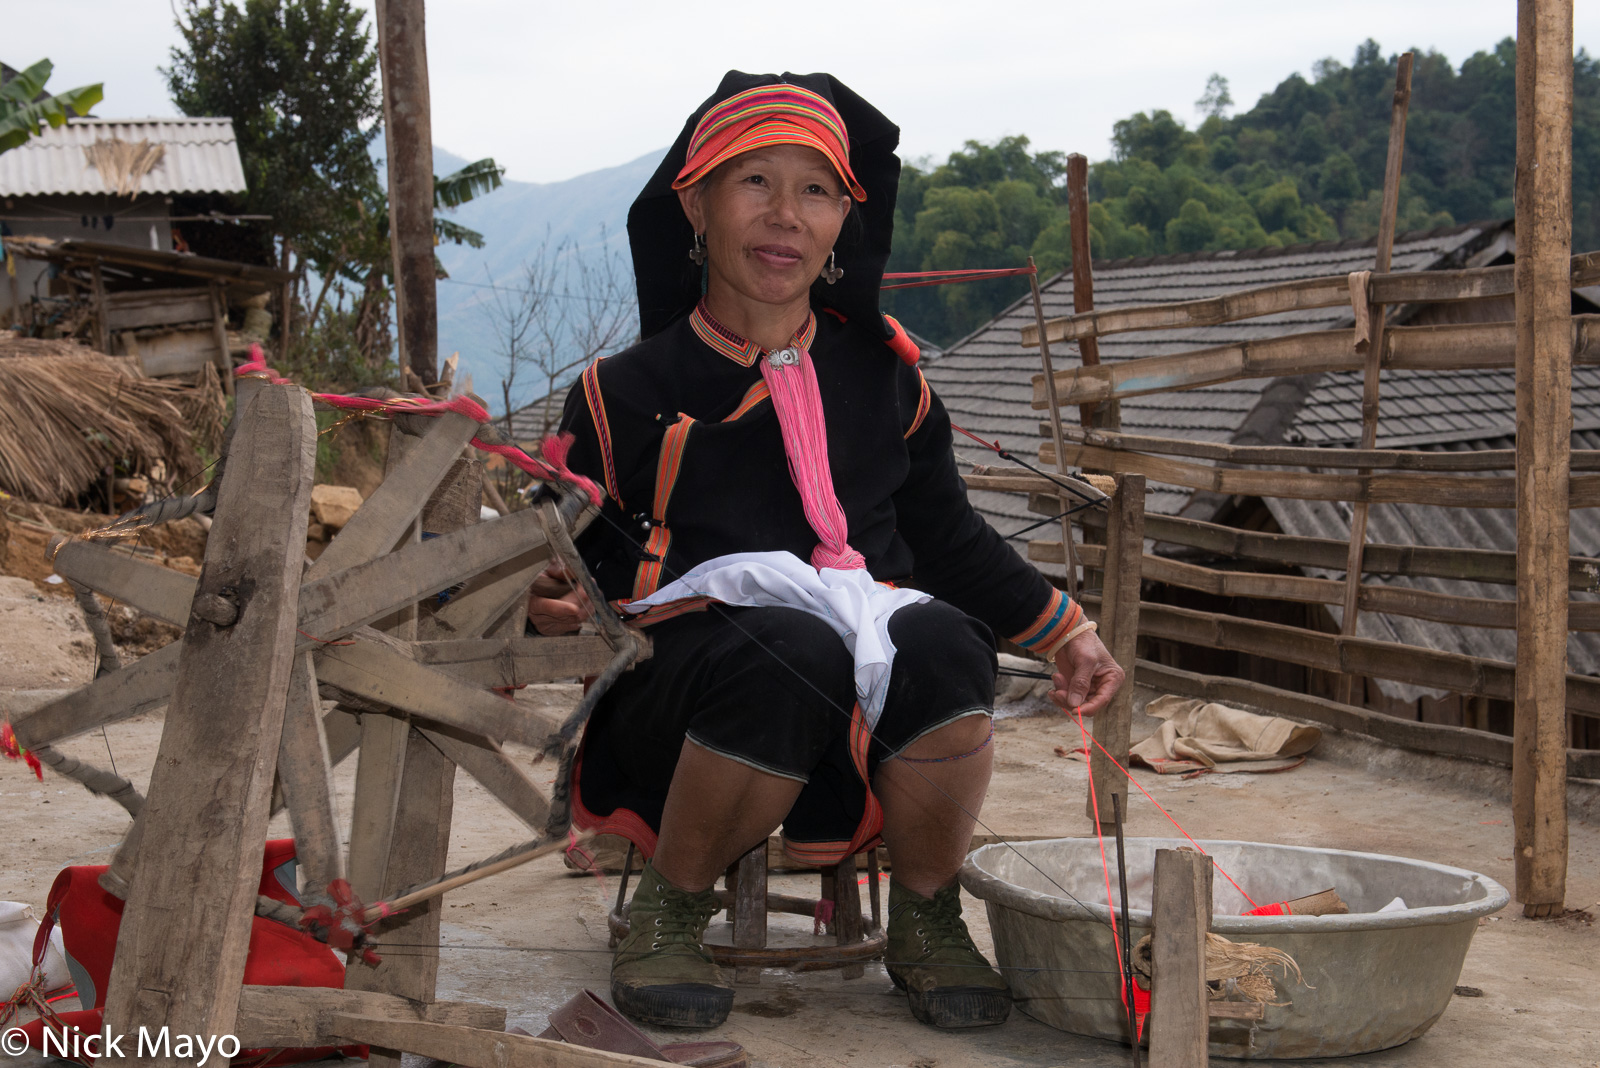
(514, 220)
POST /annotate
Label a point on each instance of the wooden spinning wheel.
(413, 670)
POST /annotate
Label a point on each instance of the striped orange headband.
(768, 115)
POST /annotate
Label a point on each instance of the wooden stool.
(748, 902)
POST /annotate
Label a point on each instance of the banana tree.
(24, 105)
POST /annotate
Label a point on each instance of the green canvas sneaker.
(661, 974)
(931, 957)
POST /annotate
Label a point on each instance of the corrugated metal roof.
(202, 156)
(986, 379)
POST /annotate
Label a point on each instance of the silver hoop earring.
(832, 273)
(697, 251)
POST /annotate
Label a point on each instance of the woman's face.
(770, 216)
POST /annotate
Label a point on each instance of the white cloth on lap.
(851, 602)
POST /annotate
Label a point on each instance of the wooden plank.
(410, 965)
(384, 674)
(475, 1048)
(1405, 287)
(485, 761)
(1463, 674)
(385, 516)
(144, 584)
(1437, 738)
(102, 326)
(186, 926)
(1544, 357)
(219, 335)
(380, 764)
(133, 309)
(1179, 1021)
(1477, 565)
(1310, 455)
(299, 1017)
(1483, 346)
(1441, 490)
(488, 596)
(1392, 600)
(1123, 558)
(502, 662)
(306, 777)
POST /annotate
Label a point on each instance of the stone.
(332, 506)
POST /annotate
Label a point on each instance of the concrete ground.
(531, 938)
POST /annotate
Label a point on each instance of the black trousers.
(774, 688)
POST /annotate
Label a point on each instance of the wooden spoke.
(304, 773)
(483, 759)
(144, 584)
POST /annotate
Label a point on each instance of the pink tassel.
(796, 399)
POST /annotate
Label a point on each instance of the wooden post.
(1544, 443)
(1119, 616)
(1369, 379)
(1055, 430)
(408, 132)
(1083, 279)
(219, 332)
(847, 912)
(749, 886)
(185, 930)
(102, 324)
(1181, 914)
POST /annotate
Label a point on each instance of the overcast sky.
(552, 90)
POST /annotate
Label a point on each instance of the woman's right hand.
(556, 604)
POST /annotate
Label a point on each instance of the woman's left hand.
(1086, 676)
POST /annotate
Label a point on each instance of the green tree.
(24, 104)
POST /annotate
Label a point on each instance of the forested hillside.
(1304, 164)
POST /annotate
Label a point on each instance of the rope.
(945, 278)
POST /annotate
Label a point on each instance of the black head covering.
(660, 235)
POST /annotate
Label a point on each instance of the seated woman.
(785, 516)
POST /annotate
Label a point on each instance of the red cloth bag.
(278, 955)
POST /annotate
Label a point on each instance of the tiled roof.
(985, 380)
(201, 156)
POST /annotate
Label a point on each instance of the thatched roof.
(66, 416)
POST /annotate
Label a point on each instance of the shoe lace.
(940, 924)
(682, 919)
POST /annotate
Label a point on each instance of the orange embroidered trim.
(924, 402)
(597, 412)
(673, 442)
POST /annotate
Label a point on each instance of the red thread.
(12, 750)
(324, 641)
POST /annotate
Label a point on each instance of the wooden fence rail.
(1472, 676)
(1312, 456)
(1390, 600)
(1452, 347)
(1416, 561)
(1332, 291)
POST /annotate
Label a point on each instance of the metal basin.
(1373, 980)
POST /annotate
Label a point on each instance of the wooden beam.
(1473, 346)
(1123, 558)
(1351, 615)
(1332, 291)
(300, 1017)
(1543, 194)
(385, 674)
(1312, 456)
(1180, 1025)
(501, 662)
(1390, 600)
(144, 584)
(408, 124)
(306, 776)
(1437, 738)
(1337, 653)
(211, 787)
(1082, 272)
(1477, 565)
(384, 517)
(485, 761)
(474, 1048)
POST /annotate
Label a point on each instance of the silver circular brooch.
(789, 357)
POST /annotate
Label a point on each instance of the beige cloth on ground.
(1201, 736)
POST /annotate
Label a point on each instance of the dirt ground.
(531, 938)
